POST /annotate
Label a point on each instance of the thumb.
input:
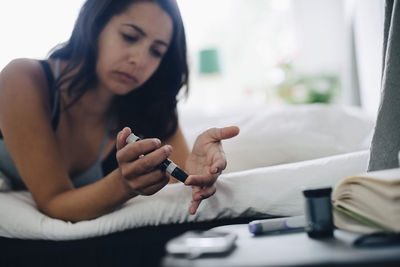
(218, 134)
(229, 132)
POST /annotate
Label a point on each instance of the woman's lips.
(125, 77)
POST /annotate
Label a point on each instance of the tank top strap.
(55, 111)
(49, 76)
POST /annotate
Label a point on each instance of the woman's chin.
(123, 89)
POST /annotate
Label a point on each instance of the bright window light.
(30, 29)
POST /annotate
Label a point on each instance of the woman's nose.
(137, 56)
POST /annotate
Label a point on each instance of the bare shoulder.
(23, 93)
(20, 71)
(21, 66)
(23, 81)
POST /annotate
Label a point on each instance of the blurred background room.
(284, 51)
(244, 52)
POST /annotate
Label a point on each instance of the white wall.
(319, 26)
(31, 28)
(252, 38)
(255, 36)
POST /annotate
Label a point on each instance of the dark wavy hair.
(149, 110)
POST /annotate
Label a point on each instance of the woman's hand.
(139, 171)
(206, 162)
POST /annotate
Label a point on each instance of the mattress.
(268, 191)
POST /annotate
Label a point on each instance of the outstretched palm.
(206, 162)
(205, 154)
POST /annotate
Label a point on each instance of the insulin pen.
(278, 224)
(167, 165)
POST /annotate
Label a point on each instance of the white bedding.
(244, 190)
(272, 190)
(283, 134)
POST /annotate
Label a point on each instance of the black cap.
(317, 192)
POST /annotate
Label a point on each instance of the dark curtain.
(386, 140)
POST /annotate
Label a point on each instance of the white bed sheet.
(274, 190)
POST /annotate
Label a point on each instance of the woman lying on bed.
(64, 121)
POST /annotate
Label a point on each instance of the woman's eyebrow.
(140, 30)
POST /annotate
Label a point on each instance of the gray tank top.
(91, 175)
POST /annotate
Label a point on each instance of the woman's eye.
(156, 53)
(129, 38)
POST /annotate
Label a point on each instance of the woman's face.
(131, 47)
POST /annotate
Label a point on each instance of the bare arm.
(32, 143)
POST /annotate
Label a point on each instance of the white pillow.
(271, 136)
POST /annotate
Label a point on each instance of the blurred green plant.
(298, 88)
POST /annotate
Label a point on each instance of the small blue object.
(277, 224)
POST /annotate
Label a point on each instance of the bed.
(279, 151)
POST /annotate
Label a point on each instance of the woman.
(61, 118)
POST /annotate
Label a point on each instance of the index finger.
(201, 180)
(193, 206)
(121, 137)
